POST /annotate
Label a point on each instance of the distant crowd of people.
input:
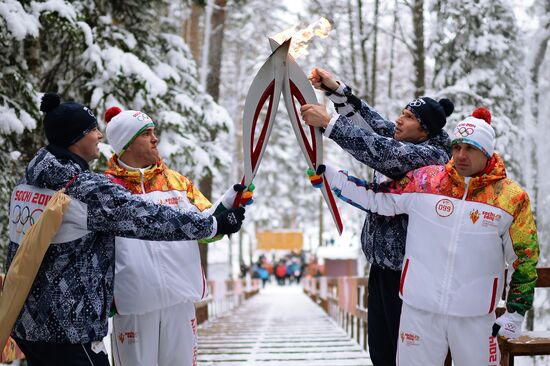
(288, 269)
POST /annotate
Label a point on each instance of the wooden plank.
(530, 343)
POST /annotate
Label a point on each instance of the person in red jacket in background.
(280, 272)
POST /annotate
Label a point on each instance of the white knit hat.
(477, 131)
(124, 126)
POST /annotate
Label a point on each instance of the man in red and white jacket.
(156, 283)
(467, 223)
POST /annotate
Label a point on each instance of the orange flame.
(300, 38)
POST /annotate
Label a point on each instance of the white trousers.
(164, 337)
(425, 337)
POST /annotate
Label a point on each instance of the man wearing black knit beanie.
(416, 139)
(67, 123)
(64, 317)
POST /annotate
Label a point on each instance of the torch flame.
(300, 38)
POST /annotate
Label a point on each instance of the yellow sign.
(286, 240)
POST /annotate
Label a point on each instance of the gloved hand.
(316, 178)
(246, 197)
(508, 325)
(229, 197)
(230, 221)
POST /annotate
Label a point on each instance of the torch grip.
(237, 201)
(238, 197)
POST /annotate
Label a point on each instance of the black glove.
(238, 187)
(230, 221)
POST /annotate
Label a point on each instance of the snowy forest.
(188, 64)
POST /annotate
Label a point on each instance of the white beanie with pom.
(124, 126)
(477, 131)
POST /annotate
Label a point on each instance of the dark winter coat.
(71, 295)
(383, 238)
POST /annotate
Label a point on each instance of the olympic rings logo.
(23, 218)
(143, 117)
(417, 102)
(464, 131)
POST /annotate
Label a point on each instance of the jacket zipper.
(142, 175)
(155, 249)
(444, 303)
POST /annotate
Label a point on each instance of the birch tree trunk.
(352, 43)
(419, 54)
(237, 112)
(374, 52)
(363, 38)
(540, 54)
(538, 150)
(392, 50)
(215, 51)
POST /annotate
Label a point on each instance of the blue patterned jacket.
(383, 238)
(73, 290)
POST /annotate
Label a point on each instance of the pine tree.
(101, 54)
(478, 56)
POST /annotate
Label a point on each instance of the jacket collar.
(115, 169)
(495, 171)
(62, 153)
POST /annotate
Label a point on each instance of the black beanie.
(432, 115)
(65, 123)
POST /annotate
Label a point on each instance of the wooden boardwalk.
(279, 326)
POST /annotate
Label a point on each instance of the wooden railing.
(225, 296)
(351, 313)
(345, 300)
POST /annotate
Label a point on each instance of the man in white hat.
(156, 284)
(467, 223)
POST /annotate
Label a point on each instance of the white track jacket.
(460, 236)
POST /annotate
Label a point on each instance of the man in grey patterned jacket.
(415, 140)
(64, 318)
